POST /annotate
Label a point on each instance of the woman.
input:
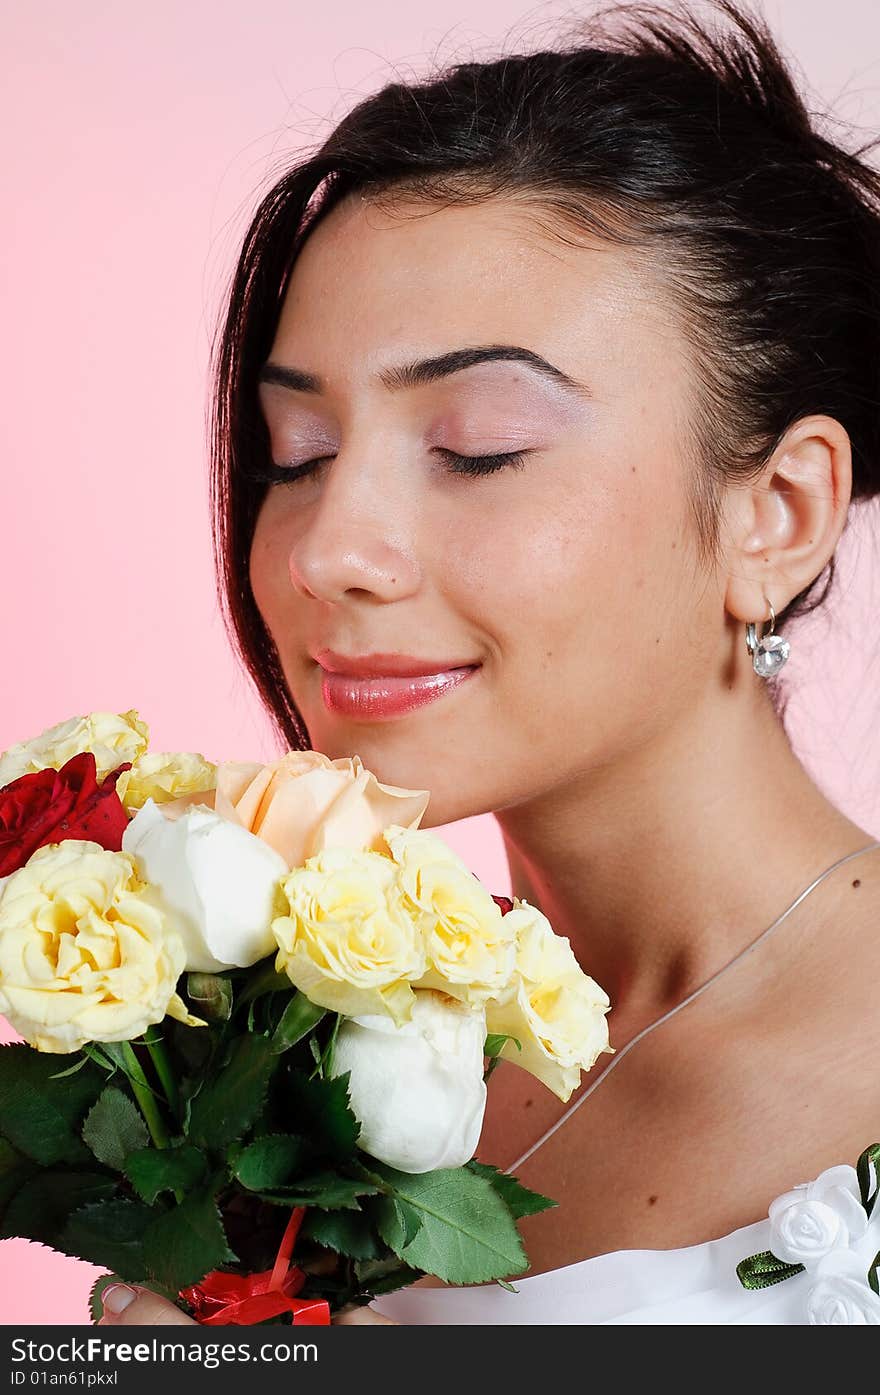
(549, 377)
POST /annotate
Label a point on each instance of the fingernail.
(116, 1298)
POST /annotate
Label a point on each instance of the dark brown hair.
(652, 129)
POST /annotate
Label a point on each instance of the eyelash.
(461, 465)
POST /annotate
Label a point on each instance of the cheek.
(582, 590)
(552, 558)
(268, 564)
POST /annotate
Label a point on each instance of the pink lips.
(372, 696)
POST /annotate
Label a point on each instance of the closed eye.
(482, 464)
(270, 473)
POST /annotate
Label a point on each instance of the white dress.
(823, 1225)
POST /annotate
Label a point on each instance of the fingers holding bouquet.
(260, 1007)
(127, 1306)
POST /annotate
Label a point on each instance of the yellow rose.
(555, 1010)
(306, 802)
(165, 775)
(345, 938)
(469, 945)
(83, 957)
(113, 738)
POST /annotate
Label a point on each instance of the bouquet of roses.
(259, 1007)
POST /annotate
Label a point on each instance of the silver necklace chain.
(713, 978)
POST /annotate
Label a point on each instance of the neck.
(661, 866)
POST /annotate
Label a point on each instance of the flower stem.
(159, 1057)
(490, 1068)
(144, 1096)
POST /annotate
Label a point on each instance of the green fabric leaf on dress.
(762, 1270)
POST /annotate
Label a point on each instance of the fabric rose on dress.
(112, 737)
(216, 882)
(815, 1218)
(306, 802)
(555, 1010)
(842, 1297)
(417, 1089)
(470, 945)
(83, 956)
(345, 938)
(51, 805)
(166, 775)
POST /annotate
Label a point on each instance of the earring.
(769, 652)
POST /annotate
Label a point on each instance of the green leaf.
(325, 1189)
(384, 1275)
(297, 1020)
(114, 1128)
(186, 1243)
(346, 1232)
(467, 1234)
(113, 1052)
(71, 1070)
(192, 1049)
(15, 1169)
(94, 1052)
(228, 1104)
(397, 1222)
(269, 1161)
(863, 1172)
(96, 1307)
(155, 1170)
(330, 1048)
(319, 1111)
(109, 1233)
(495, 1042)
(518, 1198)
(872, 1275)
(40, 1208)
(764, 1269)
(122, 1056)
(41, 1116)
(264, 980)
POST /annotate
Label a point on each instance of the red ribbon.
(243, 1299)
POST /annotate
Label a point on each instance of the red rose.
(51, 805)
(504, 902)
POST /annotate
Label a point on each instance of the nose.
(357, 536)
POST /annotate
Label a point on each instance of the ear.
(783, 527)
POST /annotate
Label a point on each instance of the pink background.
(139, 140)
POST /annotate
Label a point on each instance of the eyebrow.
(429, 370)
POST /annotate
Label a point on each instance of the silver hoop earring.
(769, 652)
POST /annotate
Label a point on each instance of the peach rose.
(305, 802)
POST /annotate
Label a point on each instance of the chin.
(405, 768)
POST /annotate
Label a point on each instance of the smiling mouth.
(388, 695)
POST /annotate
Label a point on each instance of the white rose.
(216, 882)
(842, 1297)
(417, 1089)
(815, 1218)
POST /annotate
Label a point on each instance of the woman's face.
(568, 578)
